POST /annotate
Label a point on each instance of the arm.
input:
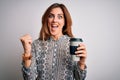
(29, 73)
(29, 67)
(79, 74)
(80, 67)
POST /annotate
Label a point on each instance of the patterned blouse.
(52, 61)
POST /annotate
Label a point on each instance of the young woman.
(48, 57)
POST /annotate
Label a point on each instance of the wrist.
(82, 65)
(27, 51)
(26, 56)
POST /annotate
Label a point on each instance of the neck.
(57, 37)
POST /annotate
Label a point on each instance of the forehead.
(57, 10)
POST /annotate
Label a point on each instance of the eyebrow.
(57, 14)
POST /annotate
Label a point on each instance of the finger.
(81, 47)
(27, 36)
(26, 42)
(81, 55)
(25, 39)
(81, 44)
(79, 52)
(30, 41)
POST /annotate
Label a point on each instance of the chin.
(53, 34)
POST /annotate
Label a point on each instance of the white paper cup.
(74, 42)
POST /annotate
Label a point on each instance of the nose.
(55, 19)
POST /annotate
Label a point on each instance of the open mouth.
(54, 27)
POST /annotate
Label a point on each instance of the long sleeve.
(30, 73)
(78, 73)
(52, 60)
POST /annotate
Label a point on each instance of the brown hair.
(44, 33)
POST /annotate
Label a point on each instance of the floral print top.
(52, 61)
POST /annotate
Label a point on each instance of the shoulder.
(67, 37)
(39, 42)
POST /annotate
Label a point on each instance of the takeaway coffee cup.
(74, 42)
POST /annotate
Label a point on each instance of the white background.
(96, 21)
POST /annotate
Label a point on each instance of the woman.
(48, 57)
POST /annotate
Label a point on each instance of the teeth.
(54, 26)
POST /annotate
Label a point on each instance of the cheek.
(62, 23)
(48, 23)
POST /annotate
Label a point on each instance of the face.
(56, 22)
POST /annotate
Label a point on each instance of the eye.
(50, 16)
(60, 16)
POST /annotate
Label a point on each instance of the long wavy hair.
(44, 33)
